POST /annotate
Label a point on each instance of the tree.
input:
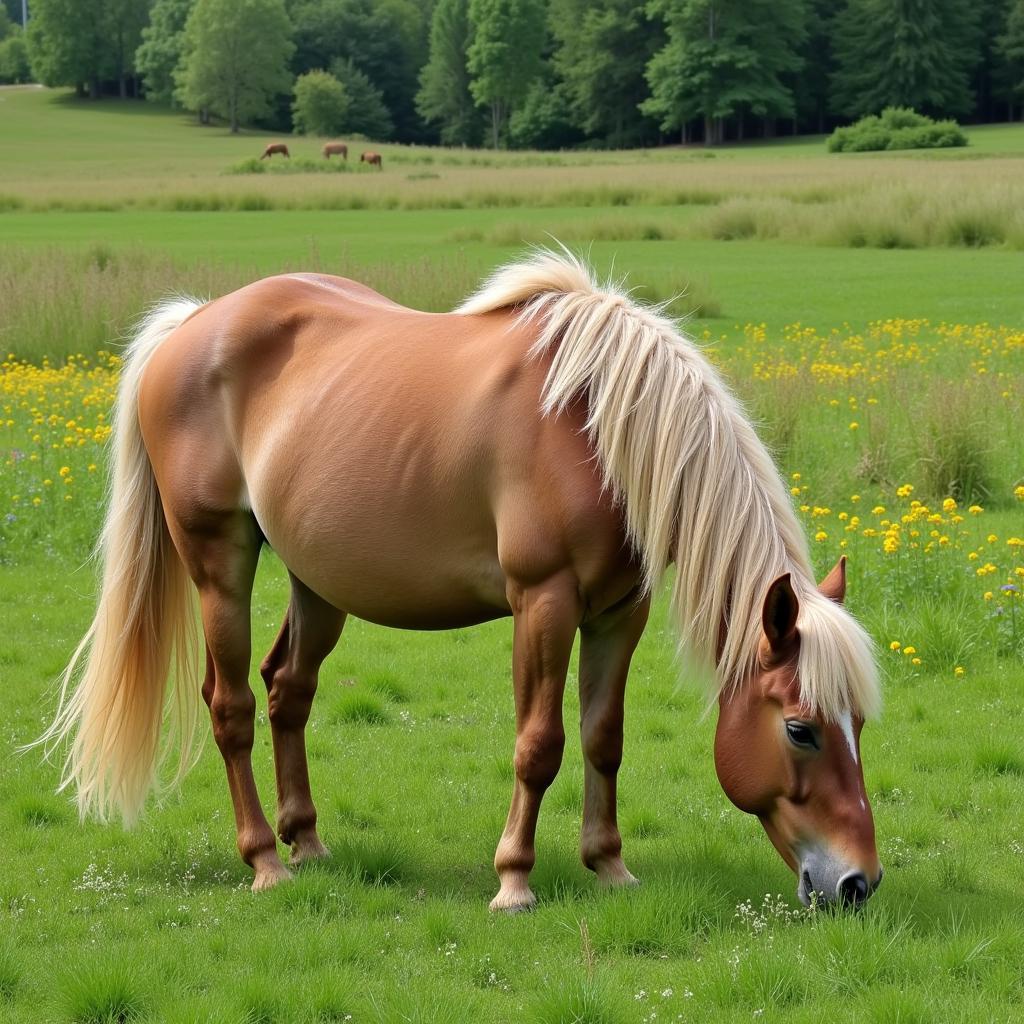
(367, 114)
(14, 66)
(444, 98)
(67, 44)
(504, 56)
(905, 53)
(384, 39)
(602, 51)
(724, 59)
(1011, 48)
(85, 43)
(235, 59)
(321, 104)
(163, 41)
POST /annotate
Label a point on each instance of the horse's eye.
(801, 735)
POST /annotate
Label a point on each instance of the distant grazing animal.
(335, 149)
(543, 452)
(275, 147)
(373, 159)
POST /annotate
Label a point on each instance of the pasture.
(868, 309)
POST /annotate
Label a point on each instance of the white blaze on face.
(845, 723)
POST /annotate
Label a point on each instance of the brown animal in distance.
(543, 453)
(275, 147)
(335, 149)
(373, 159)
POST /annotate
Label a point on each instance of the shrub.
(896, 128)
(321, 104)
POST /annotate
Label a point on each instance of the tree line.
(532, 73)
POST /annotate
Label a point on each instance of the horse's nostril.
(853, 888)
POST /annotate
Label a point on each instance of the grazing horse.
(543, 452)
(275, 147)
(373, 159)
(335, 149)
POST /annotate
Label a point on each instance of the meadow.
(880, 347)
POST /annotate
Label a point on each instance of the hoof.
(307, 848)
(513, 898)
(615, 875)
(270, 873)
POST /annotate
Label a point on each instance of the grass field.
(888, 379)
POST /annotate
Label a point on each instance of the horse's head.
(796, 767)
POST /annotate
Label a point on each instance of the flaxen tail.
(114, 690)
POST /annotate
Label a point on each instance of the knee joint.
(289, 698)
(539, 756)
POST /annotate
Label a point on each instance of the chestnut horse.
(543, 452)
(335, 149)
(275, 147)
(373, 159)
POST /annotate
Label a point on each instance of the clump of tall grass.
(953, 441)
(584, 1000)
(10, 970)
(105, 990)
(890, 217)
(293, 165)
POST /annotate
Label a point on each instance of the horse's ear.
(833, 586)
(778, 617)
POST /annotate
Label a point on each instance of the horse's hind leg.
(221, 549)
(310, 630)
(606, 647)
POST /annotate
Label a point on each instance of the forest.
(547, 74)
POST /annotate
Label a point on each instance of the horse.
(543, 452)
(275, 147)
(335, 149)
(373, 159)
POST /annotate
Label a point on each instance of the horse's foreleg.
(546, 619)
(311, 629)
(222, 561)
(606, 648)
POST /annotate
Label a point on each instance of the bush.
(896, 128)
(14, 66)
(321, 104)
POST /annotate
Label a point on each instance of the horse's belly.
(396, 571)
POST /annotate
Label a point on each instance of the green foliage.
(163, 41)
(383, 39)
(67, 44)
(84, 42)
(235, 60)
(367, 112)
(896, 128)
(14, 65)
(724, 59)
(444, 98)
(910, 53)
(602, 52)
(321, 104)
(1010, 45)
(542, 119)
(504, 56)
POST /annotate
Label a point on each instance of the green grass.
(158, 924)
(411, 735)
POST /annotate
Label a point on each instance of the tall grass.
(890, 216)
(57, 303)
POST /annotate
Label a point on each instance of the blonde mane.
(697, 486)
